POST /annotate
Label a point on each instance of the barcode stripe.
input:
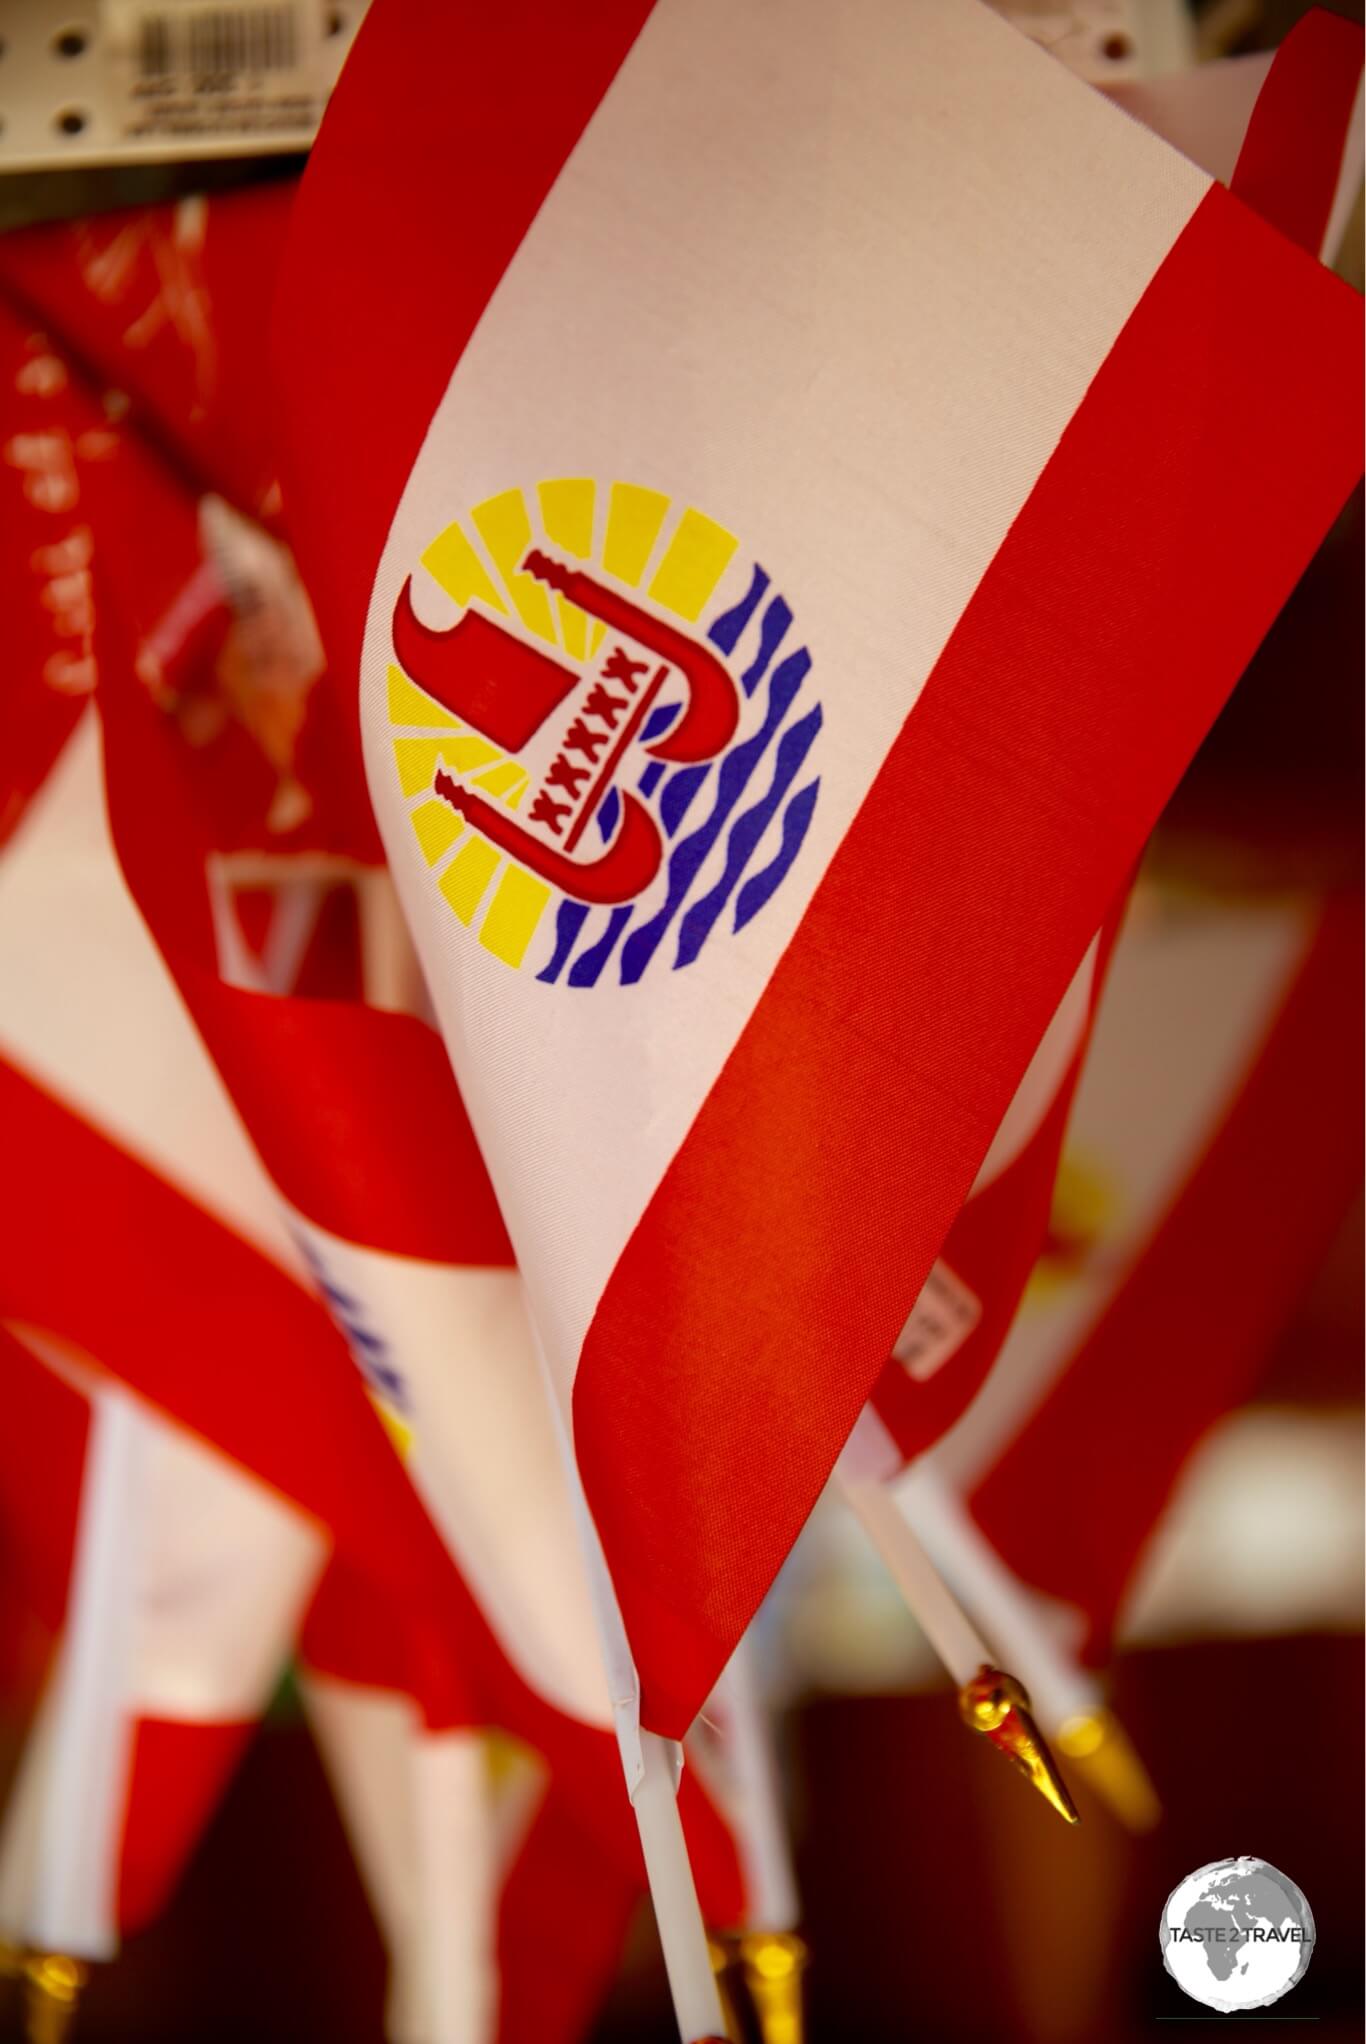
(218, 42)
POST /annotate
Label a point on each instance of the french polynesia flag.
(850, 415)
(1213, 1196)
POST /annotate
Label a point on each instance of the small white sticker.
(940, 1322)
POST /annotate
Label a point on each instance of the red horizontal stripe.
(751, 1311)
(1184, 1337)
(1292, 155)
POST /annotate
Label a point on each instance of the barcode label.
(217, 42)
(186, 73)
(940, 1322)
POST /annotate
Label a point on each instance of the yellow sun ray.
(469, 873)
(503, 778)
(437, 827)
(696, 558)
(633, 520)
(452, 561)
(513, 914)
(411, 705)
(416, 759)
(505, 529)
(567, 513)
(463, 754)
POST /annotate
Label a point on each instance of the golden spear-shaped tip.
(995, 1704)
(54, 1985)
(1097, 1743)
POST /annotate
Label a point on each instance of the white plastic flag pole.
(865, 1471)
(652, 1767)
(942, 1619)
(761, 1830)
(682, 1934)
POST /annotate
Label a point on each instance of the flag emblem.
(602, 752)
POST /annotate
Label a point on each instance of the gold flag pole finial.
(995, 1704)
(54, 1984)
(774, 1962)
(1096, 1742)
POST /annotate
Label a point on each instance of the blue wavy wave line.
(570, 918)
(679, 790)
(607, 813)
(731, 780)
(760, 885)
(772, 628)
(732, 622)
(587, 967)
(745, 834)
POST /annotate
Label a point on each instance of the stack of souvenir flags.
(784, 493)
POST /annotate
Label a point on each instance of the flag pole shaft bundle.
(1070, 1703)
(989, 1700)
(948, 1533)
